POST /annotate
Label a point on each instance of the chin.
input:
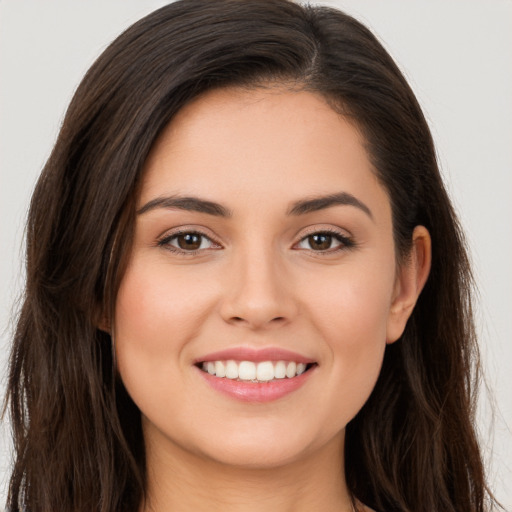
(268, 447)
(257, 457)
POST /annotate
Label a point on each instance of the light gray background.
(457, 56)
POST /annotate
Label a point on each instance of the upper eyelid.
(170, 233)
(187, 232)
(334, 234)
(333, 230)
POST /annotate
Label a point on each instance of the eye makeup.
(191, 241)
(188, 242)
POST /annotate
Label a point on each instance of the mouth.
(256, 372)
(256, 375)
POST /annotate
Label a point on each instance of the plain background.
(457, 55)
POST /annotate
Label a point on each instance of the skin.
(257, 281)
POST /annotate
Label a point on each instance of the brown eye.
(189, 241)
(324, 241)
(320, 241)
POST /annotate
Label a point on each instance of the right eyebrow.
(188, 203)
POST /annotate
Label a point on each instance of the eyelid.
(189, 228)
(164, 239)
(342, 235)
(346, 239)
(324, 228)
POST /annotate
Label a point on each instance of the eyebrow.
(321, 202)
(301, 207)
(193, 204)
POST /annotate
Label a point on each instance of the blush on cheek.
(356, 308)
(355, 323)
(152, 300)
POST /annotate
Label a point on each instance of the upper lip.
(255, 354)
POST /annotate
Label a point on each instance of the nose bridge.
(257, 293)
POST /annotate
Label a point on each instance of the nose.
(258, 293)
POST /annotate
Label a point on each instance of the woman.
(238, 295)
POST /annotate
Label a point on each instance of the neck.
(180, 481)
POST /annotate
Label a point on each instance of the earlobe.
(104, 326)
(102, 322)
(411, 278)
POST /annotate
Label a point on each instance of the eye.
(187, 242)
(324, 241)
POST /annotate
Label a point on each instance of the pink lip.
(256, 355)
(256, 391)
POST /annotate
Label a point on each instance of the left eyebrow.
(315, 204)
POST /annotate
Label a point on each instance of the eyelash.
(166, 242)
(345, 242)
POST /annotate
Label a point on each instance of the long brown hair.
(77, 434)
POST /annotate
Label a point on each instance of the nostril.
(255, 318)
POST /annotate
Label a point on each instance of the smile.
(250, 374)
(255, 372)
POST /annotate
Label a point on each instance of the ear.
(410, 280)
(102, 321)
(104, 325)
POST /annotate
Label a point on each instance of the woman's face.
(263, 245)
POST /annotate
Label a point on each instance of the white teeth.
(231, 370)
(280, 370)
(220, 369)
(263, 371)
(291, 369)
(247, 370)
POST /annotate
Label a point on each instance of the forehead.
(260, 145)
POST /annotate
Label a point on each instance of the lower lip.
(256, 391)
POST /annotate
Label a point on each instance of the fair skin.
(263, 268)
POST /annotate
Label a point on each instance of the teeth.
(246, 370)
(265, 371)
(231, 370)
(256, 372)
(220, 369)
(291, 369)
(280, 370)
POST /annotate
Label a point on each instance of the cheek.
(157, 314)
(154, 306)
(352, 318)
(352, 306)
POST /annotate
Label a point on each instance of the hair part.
(412, 446)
